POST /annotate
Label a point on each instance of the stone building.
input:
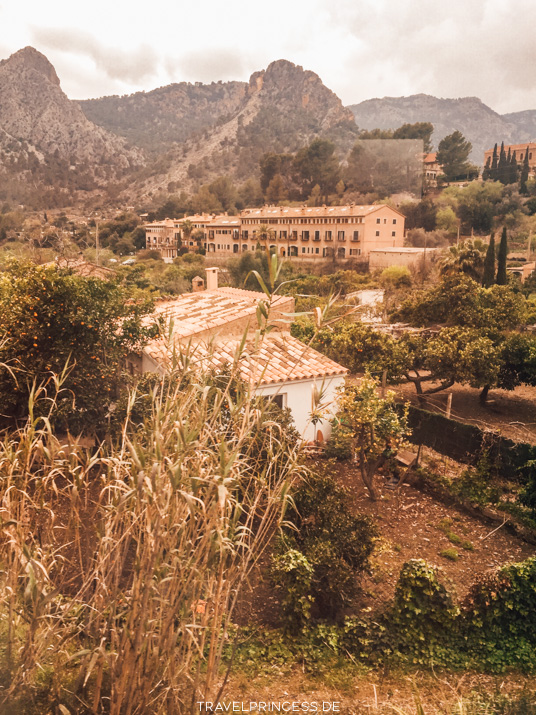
(308, 233)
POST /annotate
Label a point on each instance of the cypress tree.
(501, 168)
(513, 168)
(488, 279)
(494, 164)
(486, 174)
(502, 278)
(524, 174)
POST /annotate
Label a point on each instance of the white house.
(210, 325)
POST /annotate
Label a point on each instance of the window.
(355, 251)
(327, 236)
(244, 234)
(356, 236)
(211, 234)
(393, 233)
(340, 235)
(282, 234)
(317, 250)
(394, 220)
(377, 233)
(317, 236)
(385, 220)
(303, 249)
(378, 220)
(305, 235)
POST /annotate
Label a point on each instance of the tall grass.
(121, 565)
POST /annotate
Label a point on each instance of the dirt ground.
(513, 414)
(408, 523)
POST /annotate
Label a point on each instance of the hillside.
(284, 107)
(44, 135)
(477, 122)
(153, 120)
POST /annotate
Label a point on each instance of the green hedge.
(468, 443)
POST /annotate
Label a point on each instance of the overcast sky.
(360, 48)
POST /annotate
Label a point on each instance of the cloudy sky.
(360, 48)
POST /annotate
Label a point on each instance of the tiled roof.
(207, 310)
(430, 158)
(304, 211)
(278, 358)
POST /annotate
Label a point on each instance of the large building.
(313, 233)
(521, 151)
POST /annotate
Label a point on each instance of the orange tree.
(54, 322)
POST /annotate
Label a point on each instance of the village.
(292, 441)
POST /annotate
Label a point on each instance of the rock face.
(475, 120)
(288, 87)
(35, 112)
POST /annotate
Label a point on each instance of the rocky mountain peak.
(30, 60)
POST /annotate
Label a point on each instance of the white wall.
(299, 399)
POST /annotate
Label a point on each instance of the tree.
(502, 167)
(466, 258)
(377, 427)
(51, 321)
(452, 154)
(524, 174)
(419, 130)
(502, 277)
(463, 355)
(317, 164)
(488, 278)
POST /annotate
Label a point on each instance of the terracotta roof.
(304, 211)
(430, 158)
(276, 359)
(194, 313)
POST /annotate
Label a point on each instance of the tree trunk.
(484, 395)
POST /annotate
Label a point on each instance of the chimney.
(212, 278)
(198, 284)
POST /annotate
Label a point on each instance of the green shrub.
(500, 617)
(335, 542)
(339, 445)
(424, 615)
(293, 573)
(450, 554)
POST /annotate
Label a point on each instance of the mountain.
(526, 121)
(153, 120)
(283, 108)
(46, 137)
(476, 121)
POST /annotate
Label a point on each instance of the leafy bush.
(424, 615)
(450, 554)
(339, 445)
(335, 542)
(500, 617)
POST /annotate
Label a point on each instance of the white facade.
(298, 396)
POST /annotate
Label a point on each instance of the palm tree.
(466, 258)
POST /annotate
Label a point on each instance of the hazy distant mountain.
(46, 137)
(476, 121)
